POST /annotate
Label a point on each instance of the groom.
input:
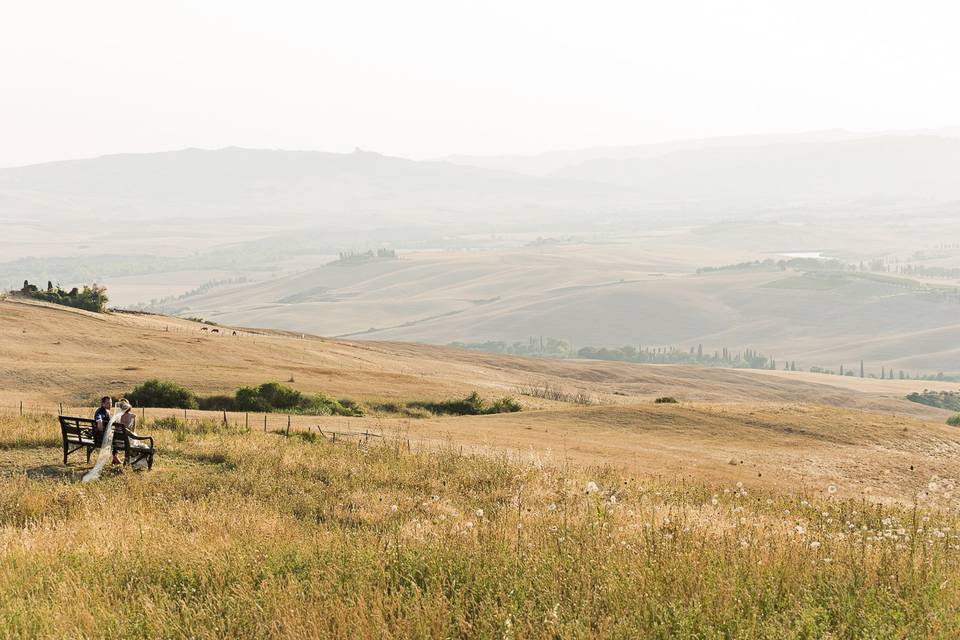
(101, 419)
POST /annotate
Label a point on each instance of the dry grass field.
(781, 429)
(760, 505)
(246, 534)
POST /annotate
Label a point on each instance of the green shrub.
(666, 400)
(505, 404)
(472, 405)
(279, 396)
(954, 420)
(157, 393)
(249, 399)
(275, 397)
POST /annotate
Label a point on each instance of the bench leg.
(89, 451)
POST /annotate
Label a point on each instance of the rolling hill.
(608, 296)
(780, 428)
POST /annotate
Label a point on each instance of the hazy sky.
(427, 78)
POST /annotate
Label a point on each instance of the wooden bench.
(78, 434)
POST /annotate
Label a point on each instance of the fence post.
(288, 426)
(61, 408)
(224, 416)
(264, 423)
(246, 421)
(143, 414)
(184, 415)
(21, 407)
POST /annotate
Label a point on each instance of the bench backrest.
(83, 428)
(77, 427)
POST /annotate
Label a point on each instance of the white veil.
(106, 446)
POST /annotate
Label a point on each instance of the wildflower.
(804, 503)
(592, 487)
(739, 485)
(552, 507)
(714, 501)
(613, 499)
(831, 488)
(469, 525)
(479, 513)
(393, 508)
(932, 486)
(800, 529)
(814, 545)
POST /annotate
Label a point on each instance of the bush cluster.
(158, 393)
(90, 298)
(940, 399)
(268, 397)
(273, 396)
(472, 405)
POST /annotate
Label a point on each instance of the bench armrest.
(133, 436)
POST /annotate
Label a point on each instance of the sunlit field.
(260, 535)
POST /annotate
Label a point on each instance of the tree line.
(90, 297)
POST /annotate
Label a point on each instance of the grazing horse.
(214, 330)
(203, 329)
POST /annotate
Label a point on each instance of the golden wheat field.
(758, 506)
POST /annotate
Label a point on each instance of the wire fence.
(334, 428)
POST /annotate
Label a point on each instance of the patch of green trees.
(941, 399)
(90, 298)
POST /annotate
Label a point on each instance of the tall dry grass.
(256, 535)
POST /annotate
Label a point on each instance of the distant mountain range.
(299, 187)
(362, 189)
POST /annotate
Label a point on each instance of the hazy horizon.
(431, 79)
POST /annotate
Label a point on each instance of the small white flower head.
(613, 499)
(932, 486)
(804, 503)
(592, 487)
(479, 513)
(739, 485)
(815, 545)
(469, 525)
(831, 489)
(800, 529)
(552, 507)
(714, 501)
(393, 508)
